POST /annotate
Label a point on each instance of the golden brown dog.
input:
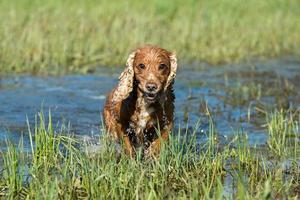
(142, 104)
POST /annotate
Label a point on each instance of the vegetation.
(58, 37)
(76, 36)
(62, 167)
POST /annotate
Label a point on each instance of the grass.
(57, 37)
(283, 128)
(242, 94)
(62, 167)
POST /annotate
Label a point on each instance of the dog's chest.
(142, 119)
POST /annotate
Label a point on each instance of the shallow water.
(234, 94)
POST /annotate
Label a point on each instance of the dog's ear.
(126, 80)
(173, 69)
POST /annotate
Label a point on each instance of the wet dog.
(139, 111)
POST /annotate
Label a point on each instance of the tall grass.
(283, 129)
(61, 167)
(62, 36)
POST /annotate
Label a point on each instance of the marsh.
(236, 120)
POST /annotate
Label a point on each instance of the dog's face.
(152, 69)
(152, 66)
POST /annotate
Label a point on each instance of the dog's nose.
(151, 87)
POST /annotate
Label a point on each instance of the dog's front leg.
(128, 146)
(129, 150)
(155, 146)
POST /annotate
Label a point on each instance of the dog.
(139, 111)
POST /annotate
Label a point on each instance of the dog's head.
(153, 69)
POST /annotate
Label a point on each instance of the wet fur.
(128, 115)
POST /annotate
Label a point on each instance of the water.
(234, 94)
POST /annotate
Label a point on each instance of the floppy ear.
(173, 69)
(126, 79)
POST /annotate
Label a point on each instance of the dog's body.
(143, 102)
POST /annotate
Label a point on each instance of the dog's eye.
(141, 66)
(162, 66)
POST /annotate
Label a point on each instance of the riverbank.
(59, 37)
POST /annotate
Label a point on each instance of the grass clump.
(283, 129)
(75, 36)
(62, 167)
